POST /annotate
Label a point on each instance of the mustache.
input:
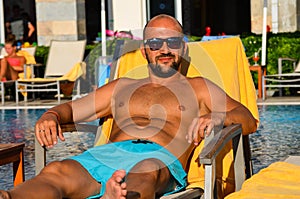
(165, 55)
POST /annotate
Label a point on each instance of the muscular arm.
(95, 105)
(217, 108)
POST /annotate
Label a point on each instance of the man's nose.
(165, 47)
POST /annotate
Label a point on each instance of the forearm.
(63, 113)
(31, 29)
(241, 115)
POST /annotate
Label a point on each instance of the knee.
(57, 168)
(149, 165)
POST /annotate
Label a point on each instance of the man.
(158, 121)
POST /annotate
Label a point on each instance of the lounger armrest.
(210, 151)
(221, 138)
(72, 127)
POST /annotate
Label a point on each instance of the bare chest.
(167, 104)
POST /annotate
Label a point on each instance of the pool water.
(277, 137)
(18, 126)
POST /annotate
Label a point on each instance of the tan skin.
(8, 71)
(155, 109)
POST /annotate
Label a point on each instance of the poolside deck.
(47, 103)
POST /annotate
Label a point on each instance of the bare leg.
(14, 75)
(115, 188)
(3, 68)
(148, 179)
(64, 179)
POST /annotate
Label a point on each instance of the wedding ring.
(40, 131)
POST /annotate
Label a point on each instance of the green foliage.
(41, 54)
(278, 45)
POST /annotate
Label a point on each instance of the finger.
(53, 133)
(38, 136)
(60, 134)
(48, 137)
(196, 133)
(42, 135)
(189, 135)
(209, 129)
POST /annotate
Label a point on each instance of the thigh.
(74, 180)
(151, 174)
(14, 75)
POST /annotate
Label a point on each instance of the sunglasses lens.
(174, 42)
(157, 43)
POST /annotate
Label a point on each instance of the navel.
(121, 104)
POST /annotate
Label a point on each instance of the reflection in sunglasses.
(157, 43)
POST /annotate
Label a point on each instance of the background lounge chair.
(223, 62)
(63, 64)
(288, 76)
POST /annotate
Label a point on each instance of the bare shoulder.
(117, 84)
(198, 82)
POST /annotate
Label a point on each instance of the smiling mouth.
(165, 59)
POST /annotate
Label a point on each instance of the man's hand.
(47, 129)
(203, 126)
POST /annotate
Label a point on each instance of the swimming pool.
(18, 126)
(277, 137)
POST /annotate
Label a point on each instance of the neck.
(162, 81)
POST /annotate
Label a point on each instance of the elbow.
(250, 127)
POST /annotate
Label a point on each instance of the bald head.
(161, 22)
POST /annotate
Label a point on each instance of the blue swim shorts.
(102, 161)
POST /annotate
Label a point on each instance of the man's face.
(163, 49)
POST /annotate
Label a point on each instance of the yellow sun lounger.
(278, 180)
(223, 62)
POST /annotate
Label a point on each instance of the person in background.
(20, 25)
(12, 64)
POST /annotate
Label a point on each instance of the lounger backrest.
(223, 62)
(62, 56)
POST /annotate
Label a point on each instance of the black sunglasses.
(157, 43)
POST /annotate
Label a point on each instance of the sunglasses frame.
(167, 40)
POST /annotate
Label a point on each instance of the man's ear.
(143, 50)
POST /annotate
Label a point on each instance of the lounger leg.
(17, 93)
(209, 180)
(40, 157)
(2, 93)
(58, 91)
(18, 169)
(239, 166)
(263, 88)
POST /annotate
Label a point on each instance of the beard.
(160, 71)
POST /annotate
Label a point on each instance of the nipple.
(181, 107)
